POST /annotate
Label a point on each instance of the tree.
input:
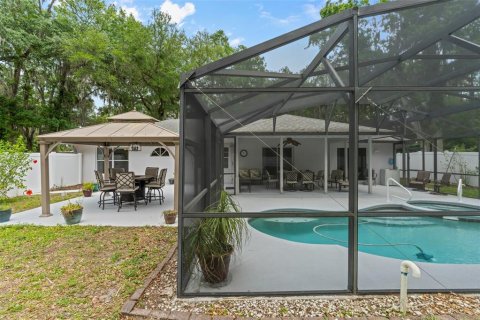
(14, 165)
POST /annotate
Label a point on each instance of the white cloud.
(177, 12)
(235, 42)
(132, 10)
(276, 20)
(313, 11)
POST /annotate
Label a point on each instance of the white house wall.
(309, 155)
(137, 161)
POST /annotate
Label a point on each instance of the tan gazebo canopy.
(124, 129)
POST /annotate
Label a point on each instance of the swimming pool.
(423, 239)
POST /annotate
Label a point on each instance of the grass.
(75, 272)
(468, 191)
(22, 203)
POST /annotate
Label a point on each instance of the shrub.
(88, 186)
(68, 209)
(14, 165)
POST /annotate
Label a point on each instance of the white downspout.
(404, 268)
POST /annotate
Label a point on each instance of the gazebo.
(130, 128)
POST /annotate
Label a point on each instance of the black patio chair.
(271, 181)
(126, 186)
(114, 171)
(291, 180)
(157, 186)
(104, 188)
(152, 172)
(307, 180)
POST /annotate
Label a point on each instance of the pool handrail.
(398, 184)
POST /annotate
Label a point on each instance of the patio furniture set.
(129, 187)
(293, 180)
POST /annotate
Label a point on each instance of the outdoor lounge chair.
(244, 179)
(445, 181)
(271, 181)
(335, 176)
(307, 180)
(126, 186)
(104, 188)
(157, 185)
(423, 177)
(291, 180)
(255, 176)
(319, 178)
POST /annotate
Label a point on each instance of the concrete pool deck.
(261, 199)
(267, 263)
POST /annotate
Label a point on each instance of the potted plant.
(213, 240)
(72, 212)
(14, 165)
(170, 216)
(87, 189)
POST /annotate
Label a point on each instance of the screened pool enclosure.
(356, 93)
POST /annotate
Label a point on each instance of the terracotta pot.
(74, 217)
(87, 193)
(5, 215)
(170, 218)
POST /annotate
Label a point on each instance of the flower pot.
(215, 268)
(171, 181)
(87, 193)
(74, 217)
(5, 215)
(170, 218)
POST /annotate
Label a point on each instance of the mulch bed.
(157, 300)
(65, 188)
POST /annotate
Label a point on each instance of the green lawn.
(23, 203)
(468, 191)
(75, 272)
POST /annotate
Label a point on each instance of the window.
(160, 152)
(118, 158)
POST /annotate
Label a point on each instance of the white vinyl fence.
(462, 165)
(65, 170)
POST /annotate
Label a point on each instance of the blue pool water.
(440, 240)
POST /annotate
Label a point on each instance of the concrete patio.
(261, 199)
(146, 215)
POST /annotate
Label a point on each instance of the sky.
(246, 22)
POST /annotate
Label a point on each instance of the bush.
(14, 165)
(68, 209)
(88, 186)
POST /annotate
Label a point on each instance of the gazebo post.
(176, 190)
(44, 179)
(106, 162)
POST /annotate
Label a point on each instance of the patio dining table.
(141, 181)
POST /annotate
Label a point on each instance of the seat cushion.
(127, 190)
(244, 174)
(255, 174)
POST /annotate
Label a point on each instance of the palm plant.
(213, 240)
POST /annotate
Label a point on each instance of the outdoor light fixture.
(135, 147)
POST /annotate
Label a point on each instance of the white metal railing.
(410, 195)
